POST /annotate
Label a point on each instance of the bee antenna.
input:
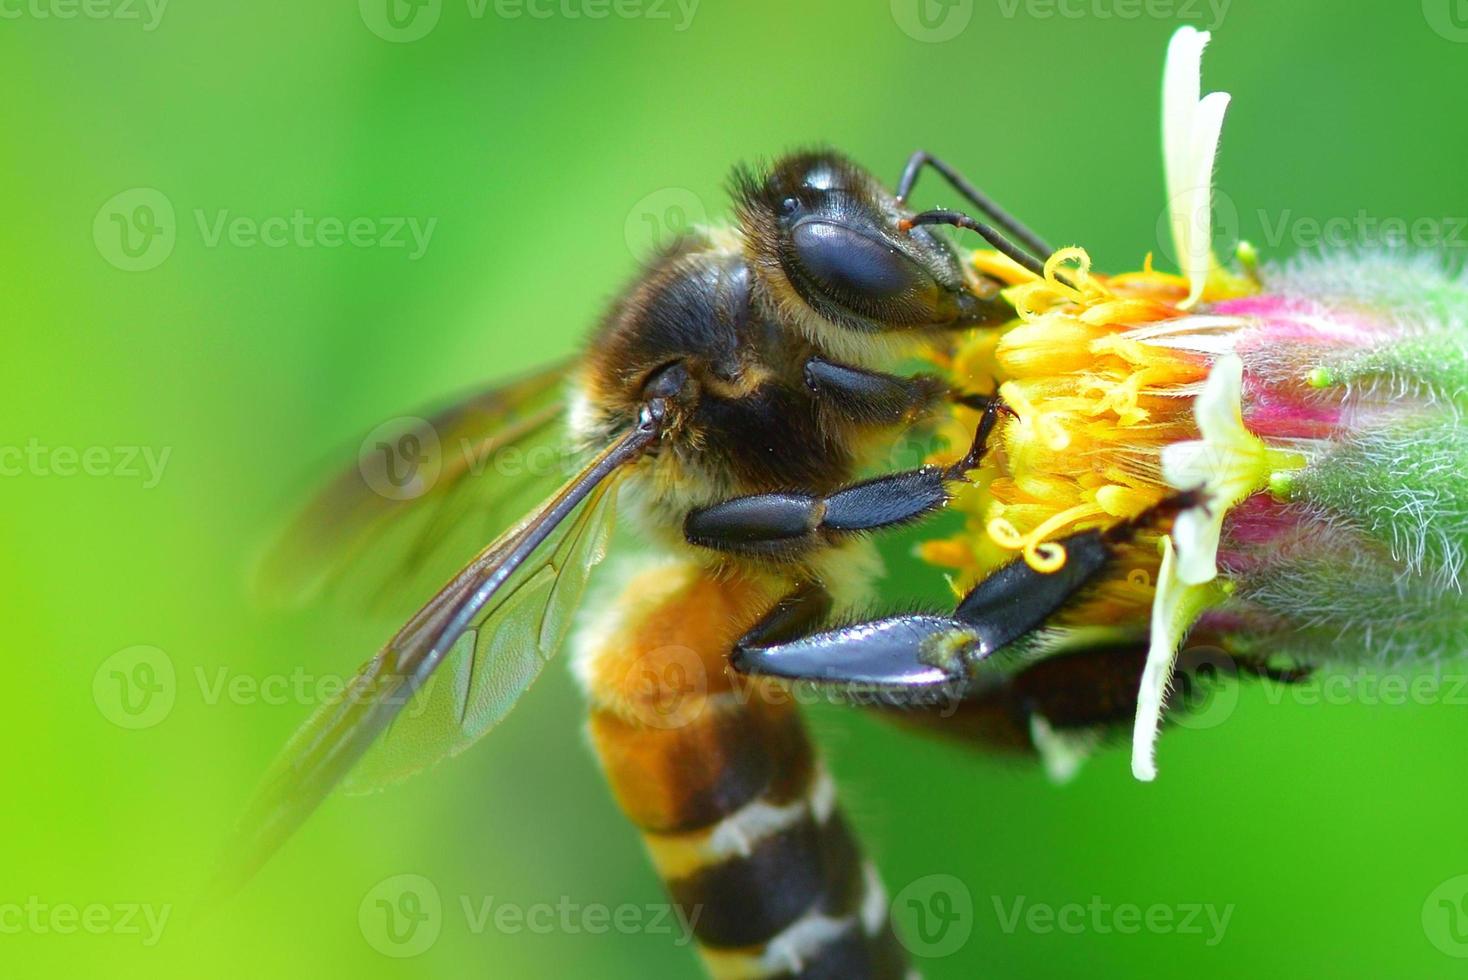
(989, 233)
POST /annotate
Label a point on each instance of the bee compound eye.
(848, 265)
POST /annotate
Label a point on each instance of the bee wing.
(496, 623)
(423, 496)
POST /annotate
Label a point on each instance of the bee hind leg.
(911, 658)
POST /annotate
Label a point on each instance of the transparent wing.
(497, 658)
(456, 667)
(423, 496)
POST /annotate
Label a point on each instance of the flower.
(1317, 405)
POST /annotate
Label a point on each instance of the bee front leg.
(987, 206)
(871, 397)
(878, 399)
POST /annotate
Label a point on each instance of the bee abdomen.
(739, 817)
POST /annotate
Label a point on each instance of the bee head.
(827, 240)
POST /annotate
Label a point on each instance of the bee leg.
(910, 656)
(874, 398)
(985, 204)
(797, 614)
(788, 525)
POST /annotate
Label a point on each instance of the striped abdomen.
(739, 817)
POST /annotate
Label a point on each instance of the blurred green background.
(548, 150)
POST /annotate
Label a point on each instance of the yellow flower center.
(1095, 405)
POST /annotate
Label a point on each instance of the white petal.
(1217, 408)
(1161, 653)
(1190, 129)
(1188, 465)
(1195, 256)
(1224, 463)
(1197, 536)
(1181, 82)
(1174, 610)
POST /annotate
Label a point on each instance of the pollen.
(1094, 405)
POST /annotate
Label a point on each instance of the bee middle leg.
(788, 526)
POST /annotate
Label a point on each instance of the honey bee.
(729, 399)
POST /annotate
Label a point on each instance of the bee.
(729, 400)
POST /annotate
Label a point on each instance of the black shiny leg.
(872, 397)
(789, 525)
(917, 652)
